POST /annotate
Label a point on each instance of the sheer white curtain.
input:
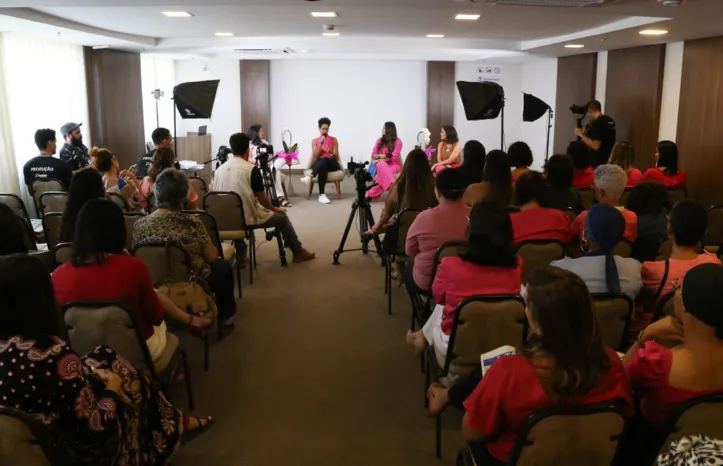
(45, 86)
(8, 170)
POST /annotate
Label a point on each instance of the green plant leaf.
(286, 147)
(294, 147)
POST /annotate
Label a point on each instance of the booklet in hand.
(492, 356)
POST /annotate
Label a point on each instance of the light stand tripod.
(157, 94)
(550, 116)
(262, 161)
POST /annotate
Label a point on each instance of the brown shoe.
(303, 256)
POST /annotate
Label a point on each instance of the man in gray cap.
(73, 151)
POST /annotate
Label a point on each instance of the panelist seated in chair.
(385, 161)
(488, 265)
(449, 150)
(324, 158)
(163, 159)
(169, 222)
(79, 399)
(46, 166)
(99, 270)
(240, 176)
(535, 220)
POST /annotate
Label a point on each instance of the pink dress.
(386, 169)
(327, 148)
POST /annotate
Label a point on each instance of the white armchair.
(335, 177)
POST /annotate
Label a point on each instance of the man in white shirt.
(242, 177)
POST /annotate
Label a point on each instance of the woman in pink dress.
(448, 151)
(385, 158)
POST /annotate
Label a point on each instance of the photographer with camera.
(260, 145)
(599, 135)
(325, 158)
(244, 178)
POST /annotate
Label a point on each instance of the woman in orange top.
(448, 151)
(163, 158)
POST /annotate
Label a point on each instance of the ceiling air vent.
(558, 3)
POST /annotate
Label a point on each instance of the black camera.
(579, 110)
(358, 171)
(263, 153)
(222, 155)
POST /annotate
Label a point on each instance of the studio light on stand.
(193, 100)
(483, 101)
(533, 109)
(157, 94)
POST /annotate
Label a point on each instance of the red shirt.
(648, 373)
(583, 179)
(510, 392)
(669, 181)
(631, 224)
(635, 176)
(541, 223)
(458, 279)
(119, 278)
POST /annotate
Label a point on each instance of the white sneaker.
(306, 180)
(323, 199)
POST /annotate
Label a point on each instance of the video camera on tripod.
(580, 111)
(359, 172)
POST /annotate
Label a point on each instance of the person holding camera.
(325, 158)
(599, 135)
(259, 145)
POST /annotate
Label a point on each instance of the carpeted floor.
(316, 373)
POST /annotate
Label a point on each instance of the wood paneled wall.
(633, 97)
(440, 98)
(115, 102)
(700, 119)
(575, 85)
(256, 94)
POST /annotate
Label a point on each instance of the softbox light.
(195, 100)
(481, 101)
(533, 108)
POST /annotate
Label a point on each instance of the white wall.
(226, 118)
(539, 78)
(357, 95)
(601, 79)
(157, 73)
(670, 99)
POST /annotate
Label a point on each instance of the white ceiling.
(368, 28)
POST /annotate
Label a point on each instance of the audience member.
(45, 166)
(563, 362)
(560, 172)
(162, 139)
(666, 167)
(87, 184)
(488, 265)
(649, 200)
(497, 182)
(473, 162)
(600, 269)
(584, 174)
(324, 158)
(520, 158)
(73, 151)
(163, 159)
(256, 136)
(686, 227)
(98, 408)
(623, 155)
(536, 220)
(434, 227)
(115, 180)
(609, 186)
(449, 150)
(169, 222)
(12, 232)
(385, 160)
(240, 176)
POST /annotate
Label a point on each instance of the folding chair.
(52, 224)
(481, 324)
(38, 187)
(677, 194)
(62, 253)
(52, 202)
(16, 204)
(130, 220)
(24, 440)
(623, 249)
(698, 416)
(587, 198)
(538, 253)
(713, 238)
(199, 185)
(29, 234)
(613, 313)
(120, 201)
(108, 323)
(405, 218)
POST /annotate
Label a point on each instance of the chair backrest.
(587, 198)
(38, 187)
(130, 219)
(623, 249)
(699, 415)
(29, 234)
(677, 194)
(714, 234)
(199, 185)
(613, 314)
(209, 222)
(571, 214)
(23, 440)
(227, 208)
(481, 324)
(120, 201)
(449, 249)
(62, 253)
(53, 202)
(107, 323)
(154, 256)
(570, 435)
(538, 253)
(16, 204)
(625, 196)
(664, 250)
(405, 218)
(52, 224)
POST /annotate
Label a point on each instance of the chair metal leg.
(389, 295)
(238, 277)
(386, 276)
(252, 248)
(206, 363)
(311, 188)
(187, 376)
(338, 190)
(438, 435)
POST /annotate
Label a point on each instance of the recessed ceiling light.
(653, 32)
(435, 36)
(574, 46)
(323, 14)
(224, 34)
(465, 17)
(177, 14)
(330, 34)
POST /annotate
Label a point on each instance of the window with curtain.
(44, 88)
(157, 73)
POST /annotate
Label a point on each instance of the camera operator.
(256, 135)
(325, 158)
(244, 178)
(599, 135)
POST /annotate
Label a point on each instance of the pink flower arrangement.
(289, 153)
(429, 151)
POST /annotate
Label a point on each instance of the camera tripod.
(263, 164)
(363, 210)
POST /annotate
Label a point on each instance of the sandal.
(189, 435)
(285, 203)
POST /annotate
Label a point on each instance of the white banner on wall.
(491, 73)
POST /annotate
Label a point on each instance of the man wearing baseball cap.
(73, 151)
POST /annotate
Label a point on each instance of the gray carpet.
(316, 373)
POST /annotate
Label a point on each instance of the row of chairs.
(587, 196)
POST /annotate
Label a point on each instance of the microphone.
(321, 141)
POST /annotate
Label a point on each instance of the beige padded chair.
(613, 314)
(51, 228)
(335, 177)
(38, 187)
(623, 249)
(676, 195)
(23, 440)
(405, 218)
(53, 202)
(153, 255)
(587, 198)
(16, 204)
(120, 201)
(713, 238)
(130, 219)
(699, 416)
(538, 253)
(29, 236)
(62, 253)
(199, 185)
(106, 323)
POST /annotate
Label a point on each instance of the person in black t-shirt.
(45, 166)
(74, 151)
(162, 138)
(599, 135)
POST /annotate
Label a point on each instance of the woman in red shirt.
(489, 265)
(666, 167)
(535, 221)
(623, 155)
(563, 362)
(584, 173)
